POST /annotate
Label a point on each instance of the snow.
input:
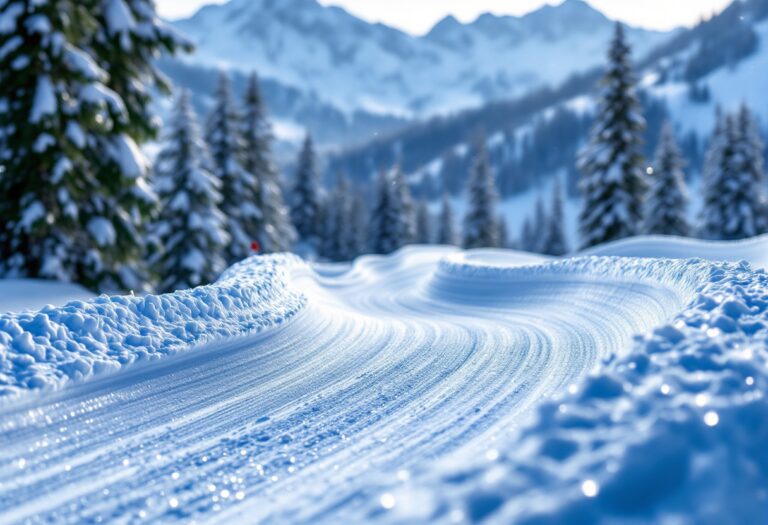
(45, 100)
(27, 294)
(432, 385)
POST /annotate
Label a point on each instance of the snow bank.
(673, 432)
(85, 338)
(18, 295)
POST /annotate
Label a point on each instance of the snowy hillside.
(720, 63)
(429, 386)
(353, 65)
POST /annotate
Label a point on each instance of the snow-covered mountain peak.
(355, 65)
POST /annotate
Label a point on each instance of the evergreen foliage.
(447, 226)
(666, 211)
(271, 226)
(612, 166)
(190, 226)
(554, 241)
(306, 206)
(423, 224)
(75, 199)
(481, 229)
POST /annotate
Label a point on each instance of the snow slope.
(17, 295)
(432, 385)
(356, 65)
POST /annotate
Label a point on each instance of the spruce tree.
(540, 227)
(407, 210)
(503, 232)
(238, 186)
(447, 227)
(527, 237)
(338, 239)
(712, 179)
(190, 226)
(130, 39)
(306, 205)
(667, 204)
(271, 226)
(554, 241)
(359, 219)
(480, 226)
(74, 193)
(613, 182)
(423, 224)
(386, 218)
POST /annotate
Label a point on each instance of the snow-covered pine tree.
(190, 226)
(554, 241)
(503, 232)
(404, 201)
(527, 237)
(130, 39)
(359, 219)
(480, 227)
(423, 224)
(271, 227)
(735, 190)
(711, 219)
(238, 185)
(540, 226)
(306, 205)
(447, 227)
(75, 197)
(338, 239)
(612, 168)
(666, 209)
(386, 218)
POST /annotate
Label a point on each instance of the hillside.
(324, 65)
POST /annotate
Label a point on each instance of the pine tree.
(407, 210)
(386, 219)
(734, 198)
(613, 182)
(503, 232)
(74, 193)
(711, 219)
(190, 227)
(238, 186)
(131, 38)
(271, 224)
(480, 227)
(554, 241)
(447, 231)
(667, 205)
(338, 239)
(540, 227)
(423, 224)
(527, 237)
(306, 207)
(359, 220)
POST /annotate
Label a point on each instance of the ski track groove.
(377, 375)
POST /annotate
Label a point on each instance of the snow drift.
(429, 386)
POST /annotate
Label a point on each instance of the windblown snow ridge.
(673, 432)
(81, 339)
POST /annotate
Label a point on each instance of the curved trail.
(389, 368)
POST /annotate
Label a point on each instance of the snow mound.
(49, 347)
(672, 432)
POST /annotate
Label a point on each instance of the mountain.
(721, 62)
(344, 64)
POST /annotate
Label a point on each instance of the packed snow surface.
(429, 386)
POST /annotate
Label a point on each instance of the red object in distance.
(255, 247)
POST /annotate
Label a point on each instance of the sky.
(418, 16)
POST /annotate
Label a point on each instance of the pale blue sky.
(418, 16)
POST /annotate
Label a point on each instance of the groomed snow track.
(432, 385)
